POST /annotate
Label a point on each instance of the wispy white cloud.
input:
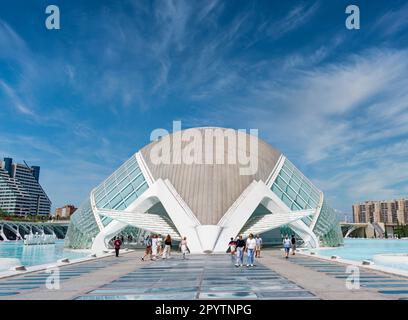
(392, 22)
(15, 101)
(296, 17)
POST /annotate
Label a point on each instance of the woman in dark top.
(240, 251)
(167, 247)
(117, 245)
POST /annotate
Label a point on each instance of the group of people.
(157, 248)
(289, 244)
(251, 246)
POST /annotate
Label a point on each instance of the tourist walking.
(159, 245)
(293, 241)
(258, 240)
(286, 246)
(117, 243)
(240, 251)
(184, 247)
(154, 247)
(250, 249)
(167, 247)
(148, 244)
(232, 246)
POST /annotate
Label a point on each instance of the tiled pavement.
(204, 277)
(384, 283)
(29, 282)
(199, 277)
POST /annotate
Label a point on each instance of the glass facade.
(117, 192)
(327, 227)
(295, 190)
(82, 228)
(298, 193)
(122, 188)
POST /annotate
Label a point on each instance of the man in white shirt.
(250, 249)
(154, 247)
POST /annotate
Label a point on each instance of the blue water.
(37, 254)
(365, 249)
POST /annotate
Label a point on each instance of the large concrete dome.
(206, 184)
(211, 189)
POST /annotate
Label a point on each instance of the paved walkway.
(199, 277)
(204, 277)
(327, 279)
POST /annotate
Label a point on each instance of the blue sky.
(79, 101)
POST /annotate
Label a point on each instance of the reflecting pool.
(37, 254)
(365, 249)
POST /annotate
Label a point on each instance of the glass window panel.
(131, 168)
(106, 206)
(306, 186)
(100, 196)
(134, 173)
(112, 192)
(301, 202)
(294, 185)
(127, 191)
(286, 200)
(122, 206)
(100, 201)
(131, 198)
(138, 181)
(297, 179)
(303, 194)
(109, 181)
(291, 193)
(295, 206)
(284, 175)
(290, 164)
(131, 161)
(277, 190)
(123, 183)
(315, 196)
(115, 200)
(142, 189)
(281, 183)
(121, 176)
(312, 203)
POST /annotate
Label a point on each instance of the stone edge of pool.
(41, 267)
(360, 264)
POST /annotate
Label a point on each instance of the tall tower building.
(20, 190)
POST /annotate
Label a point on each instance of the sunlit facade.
(207, 203)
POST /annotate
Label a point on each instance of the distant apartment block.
(388, 212)
(20, 190)
(65, 212)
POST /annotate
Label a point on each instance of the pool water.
(365, 249)
(38, 254)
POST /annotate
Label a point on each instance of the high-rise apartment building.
(390, 212)
(20, 190)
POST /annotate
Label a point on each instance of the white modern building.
(207, 197)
